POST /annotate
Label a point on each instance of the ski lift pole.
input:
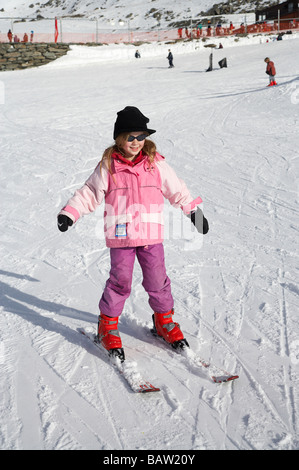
(60, 22)
(129, 32)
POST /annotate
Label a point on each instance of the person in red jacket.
(270, 70)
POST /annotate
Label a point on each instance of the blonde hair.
(149, 149)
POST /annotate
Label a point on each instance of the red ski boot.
(169, 330)
(108, 336)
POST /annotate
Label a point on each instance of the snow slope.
(139, 11)
(134, 13)
(235, 143)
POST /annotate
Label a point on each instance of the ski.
(127, 369)
(216, 374)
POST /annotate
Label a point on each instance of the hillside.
(141, 14)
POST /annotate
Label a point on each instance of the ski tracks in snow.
(235, 299)
(48, 407)
(251, 214)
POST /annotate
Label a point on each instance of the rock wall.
(16, 56)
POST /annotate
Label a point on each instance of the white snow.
(117, 15)
(140, 13)
(235, 143)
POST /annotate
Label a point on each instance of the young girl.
(134, 179)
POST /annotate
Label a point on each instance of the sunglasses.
(140, 137)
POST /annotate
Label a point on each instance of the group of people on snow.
(132, 170)
(270, 70)
(133, 156)
(169, 57)
(15, 38)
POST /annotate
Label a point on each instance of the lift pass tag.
(121, 230)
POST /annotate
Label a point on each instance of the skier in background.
(270, 70)
(9, 35)
(134, 179)
(170, 59)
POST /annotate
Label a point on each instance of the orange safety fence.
(101, 38)
(216, 31)
(285, 25)
(133, 36)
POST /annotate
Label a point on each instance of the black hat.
(130, 119)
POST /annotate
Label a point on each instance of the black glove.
(199, 221)
(64, 222)
(268, 73)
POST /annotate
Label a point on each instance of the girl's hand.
(64, 222)
(199, 221)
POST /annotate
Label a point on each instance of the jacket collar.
(122, 164)
(125, 161)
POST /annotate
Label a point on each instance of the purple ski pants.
(155, 280)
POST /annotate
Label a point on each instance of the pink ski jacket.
(134, 200)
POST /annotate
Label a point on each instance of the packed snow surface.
(235, 143)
